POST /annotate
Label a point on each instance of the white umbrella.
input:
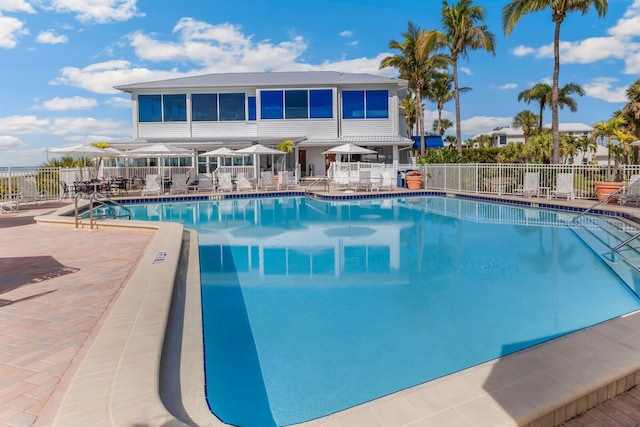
(159, 150)
(221, 152)
(635, 143)
(83, 150)
(257, 150)
(348, 149)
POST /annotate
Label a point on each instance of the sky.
(59, 59)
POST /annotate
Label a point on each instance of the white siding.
(310, 128)
(222, 129)
(368, 127)
(163, 130)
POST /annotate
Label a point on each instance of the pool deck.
(84, 319)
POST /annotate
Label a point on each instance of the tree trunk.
(420, 119)
(456, 95)
(554, 94)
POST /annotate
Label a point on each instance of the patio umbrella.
(82, 150)
(221, 152)
(161, 151)
(635, 143)
(348, 149)
(257, 150)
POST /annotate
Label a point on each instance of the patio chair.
(266, 181)
(632, 192)
(9, 206)
(152, 185)
(530, 185)
(64, 190)
(224, 182)
(385, 181)
(28, 190)
(179, 184)
(243, 183)
(564, 186)
(286, 180)
(364, 181)
(205, 184)
(120, 185)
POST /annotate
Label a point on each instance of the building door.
(328, 159)
(302, 161)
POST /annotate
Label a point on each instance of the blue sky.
(61, 58)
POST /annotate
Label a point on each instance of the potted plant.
(414, 180)
(286, 146)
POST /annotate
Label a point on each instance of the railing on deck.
(47, 182)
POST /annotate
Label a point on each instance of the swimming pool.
(311, 307)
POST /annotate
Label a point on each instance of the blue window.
(204, 107)
(321, 104)
(271, 104)
(149, 108)
(251, 104)
(232, 106)
(353, 104)
(296, 104)
(377, 104)
(175, 108)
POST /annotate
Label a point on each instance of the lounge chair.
(179, 184)
(9, 206)
(631, 193)
(28, 190)
(286, 180)
(531, 185)
(243, 183)
(205, 184)
(385, 181)
(364, 181)
(564, 186)
(224, 182)
(266, 181)
(152, 185)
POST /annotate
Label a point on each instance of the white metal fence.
(17, 183)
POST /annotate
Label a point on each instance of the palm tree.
(416, 62)
(516, 9)
(526, 121)
(539, 92)
(607, 130)
(441, 125)
(586, 145)
(409, 106)
(461, 34)
(440, 92)
(631, 110)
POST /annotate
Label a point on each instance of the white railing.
(137, 173)
(508, 179)
(13, 183)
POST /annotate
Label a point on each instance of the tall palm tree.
(409, 106)
(441, 125)
(526, 121)
(608, 130)
(631, 110)
(516, 9)
(538, 92)
(440, 92)
(586, 145)
(416, 62)
(462, 33)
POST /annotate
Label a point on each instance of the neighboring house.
(504, 135)
(316, 110)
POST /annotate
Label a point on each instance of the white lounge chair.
(386, 181)
(243, 183)
(9, 206)
(530, 185)
(224, 182)
(564, 186)
(28, 190)
(179, 184)
(266, 181)
(364, 181)
(631, 193)
(205, 183)
(286, 180)
(152, 185)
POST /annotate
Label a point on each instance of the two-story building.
(316, 110)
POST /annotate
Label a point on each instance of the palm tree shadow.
(16, 272)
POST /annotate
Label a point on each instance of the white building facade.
(316, 110)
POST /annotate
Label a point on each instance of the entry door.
(302, 161)
(328, 159)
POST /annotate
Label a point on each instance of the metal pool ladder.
(100, 200)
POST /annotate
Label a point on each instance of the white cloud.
(99, 11)
(346, 33)
(88, 125)
(66, 104)
(50, 37)
(23, 125)
(10, 30)
(483, 124)
(508, 86)
(523, 50)
(602, 88)
(466, 70)
(354, 43)
(16, 6)
(8, 142)
(119, 102)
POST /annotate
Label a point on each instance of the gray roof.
(277, 79)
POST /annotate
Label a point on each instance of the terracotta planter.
(604, 188)
(414, 182)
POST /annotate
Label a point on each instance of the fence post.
(10, 190)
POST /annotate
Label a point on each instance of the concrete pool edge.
(553, 381)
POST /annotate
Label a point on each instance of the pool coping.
(117, 383)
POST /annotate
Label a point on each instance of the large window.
(360, 104)
(231, 106)
(296, 104)
(271, 104)
(149, 108)
(251, 105)
(321, 104)
(175, 108)
(204, 107)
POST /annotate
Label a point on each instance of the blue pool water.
(311, 307)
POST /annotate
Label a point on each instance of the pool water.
(312, 307)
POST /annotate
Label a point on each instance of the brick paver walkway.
(56, 284)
